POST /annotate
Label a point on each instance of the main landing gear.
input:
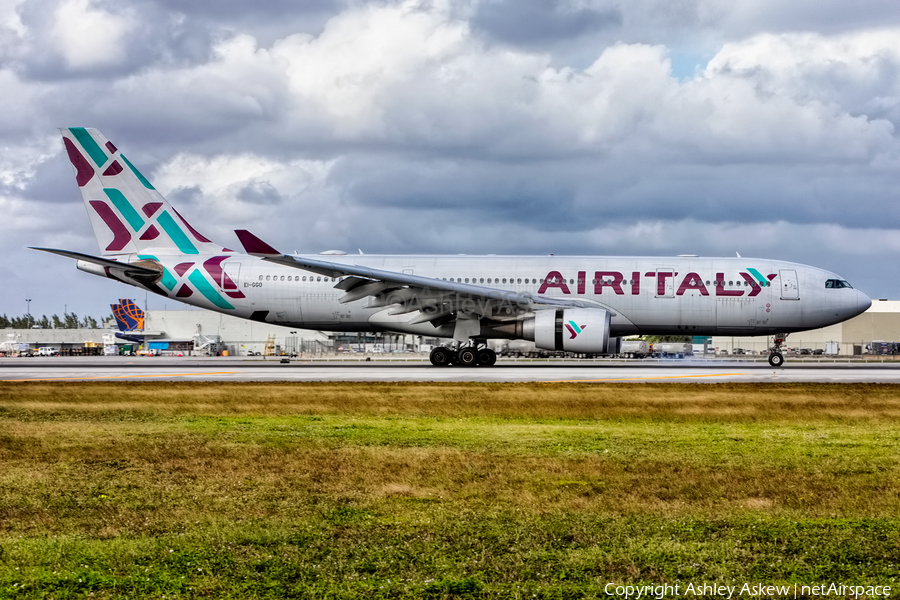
(776, 358)
(475, 355)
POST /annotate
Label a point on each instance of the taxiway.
(299, 369)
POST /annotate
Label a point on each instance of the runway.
(600, 371)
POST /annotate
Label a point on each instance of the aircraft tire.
(776, 359)
(467, 357)
(441, 357)
(486, 357)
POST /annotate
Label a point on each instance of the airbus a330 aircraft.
(582, 304)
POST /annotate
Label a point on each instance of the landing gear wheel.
(467, 357)
(441, 357)
(486, 357)
(776, 359)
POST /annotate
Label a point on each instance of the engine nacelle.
(583, 330)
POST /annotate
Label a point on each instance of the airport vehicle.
(48, 351)
(580, 304)
(10, 347)
(635, 349)
(673, 349)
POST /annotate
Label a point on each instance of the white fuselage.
(646, 295)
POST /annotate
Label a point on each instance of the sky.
(589, 127)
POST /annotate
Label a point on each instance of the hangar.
(850, 338)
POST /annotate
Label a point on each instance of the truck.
(882, 348)
(48, 351)
(635, 349)
(673, 349)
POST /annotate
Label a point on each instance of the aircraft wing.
(436, 299)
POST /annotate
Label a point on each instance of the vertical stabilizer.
(128, 316)
(127, 213)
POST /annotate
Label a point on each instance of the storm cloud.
(540, 126)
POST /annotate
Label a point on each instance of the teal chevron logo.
(574, 329)
(758, 276)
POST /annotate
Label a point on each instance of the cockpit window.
(837, 283)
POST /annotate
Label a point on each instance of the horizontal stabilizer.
(103, 262)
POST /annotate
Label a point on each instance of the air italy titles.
(758, 590)
(614, 282)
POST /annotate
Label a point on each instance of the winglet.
(255, 246)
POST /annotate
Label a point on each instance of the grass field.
(430, 490)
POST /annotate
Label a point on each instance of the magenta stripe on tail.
(122, 236)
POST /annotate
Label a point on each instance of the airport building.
(241, 337)
(881, 323)
(197, 331)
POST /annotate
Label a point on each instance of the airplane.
(128, 316)
(578, 304)
(130, 319)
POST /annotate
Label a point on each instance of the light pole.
(28, 304)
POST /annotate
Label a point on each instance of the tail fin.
(127, 213)
(128, 315)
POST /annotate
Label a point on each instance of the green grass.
(442, 490)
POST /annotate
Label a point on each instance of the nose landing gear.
(776, 358)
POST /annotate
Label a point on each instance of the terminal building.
(197, 331)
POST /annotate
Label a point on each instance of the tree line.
(68, 321)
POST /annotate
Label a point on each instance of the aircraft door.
(790, 289)
(231, 275)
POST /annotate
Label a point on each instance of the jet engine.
(583, 330)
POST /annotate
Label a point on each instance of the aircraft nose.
(863, 302)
